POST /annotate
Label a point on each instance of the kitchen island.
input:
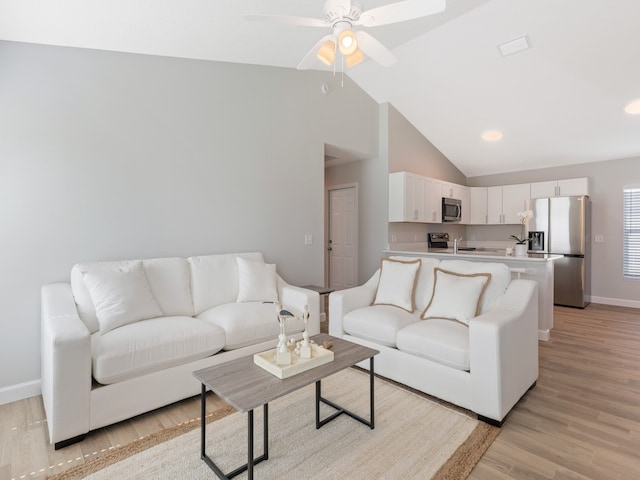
(538, 267)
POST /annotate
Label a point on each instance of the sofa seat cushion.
(247, 323)
(379, 323)
(151, 345)
(442, 341)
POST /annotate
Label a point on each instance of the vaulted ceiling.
(559, 102)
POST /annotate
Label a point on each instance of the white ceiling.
(560, 102)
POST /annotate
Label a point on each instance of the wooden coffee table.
(246, 386)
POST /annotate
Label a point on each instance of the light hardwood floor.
(581, 421)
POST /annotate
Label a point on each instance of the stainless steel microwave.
(451, 210)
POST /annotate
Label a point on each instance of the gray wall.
(410, 151)
(113, 156)
(606, 181)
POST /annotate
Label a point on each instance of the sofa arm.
(503, 345)
(296, 298)
(65, 364)
(345, 301)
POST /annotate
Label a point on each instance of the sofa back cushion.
(424, 283)
(214, 279)
(495, 288)
(168, 279)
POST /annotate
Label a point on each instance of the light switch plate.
(308, 239)
(599, 239)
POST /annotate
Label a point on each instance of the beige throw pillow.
(456, 296)
(397, 283)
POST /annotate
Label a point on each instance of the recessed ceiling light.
(492, 135)
(633, 108)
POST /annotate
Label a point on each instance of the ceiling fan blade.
(375, 50)
(286, 20)
(400, 12)
(311, 55)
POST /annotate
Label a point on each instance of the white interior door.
(343, 237)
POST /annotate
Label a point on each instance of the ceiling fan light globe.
(327, 52)
(347, 42)
(354, 59)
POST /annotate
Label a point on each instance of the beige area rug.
(414, 438)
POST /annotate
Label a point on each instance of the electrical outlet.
(599, 239)
(308, 239)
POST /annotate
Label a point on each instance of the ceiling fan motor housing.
(335, 13)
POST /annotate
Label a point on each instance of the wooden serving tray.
(267, 361)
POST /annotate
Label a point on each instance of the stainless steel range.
(438, 240)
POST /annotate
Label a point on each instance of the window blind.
(631, 233)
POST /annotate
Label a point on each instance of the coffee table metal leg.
(251, 461)
(340, 410)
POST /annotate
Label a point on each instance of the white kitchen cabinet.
(433, 200)
(560, 188)
(414, 198)
(464, 196)
(406, 197)
(504, 203)
(477, 205)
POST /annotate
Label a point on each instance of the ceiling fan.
(341, 16)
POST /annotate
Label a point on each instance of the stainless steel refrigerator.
(562, 226)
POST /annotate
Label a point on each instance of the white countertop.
(492, 254)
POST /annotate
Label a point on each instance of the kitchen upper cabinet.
(477, 205)
(433, 200)
(464, 195)
(560, 188)
(406, 197)
(414, 198)
(504, 203)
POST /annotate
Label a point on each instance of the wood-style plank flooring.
(581, 421)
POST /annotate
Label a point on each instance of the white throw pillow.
(397, 283)
(256, 281)
(121, 296)
(456, 296)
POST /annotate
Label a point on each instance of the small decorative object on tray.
(305, 348)
(283, 355)
(268, 361)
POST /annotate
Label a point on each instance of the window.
(631, 233)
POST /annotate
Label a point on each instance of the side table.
(324, 297)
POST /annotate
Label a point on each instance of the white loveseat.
(123, 338)
(482, 359)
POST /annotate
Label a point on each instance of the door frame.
(327, 219)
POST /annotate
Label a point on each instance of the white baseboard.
(618, 302)
(544, 335)
(13, 393)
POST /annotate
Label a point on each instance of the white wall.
(606, 181)
(107, 156)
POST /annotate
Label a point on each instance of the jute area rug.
(414, 438)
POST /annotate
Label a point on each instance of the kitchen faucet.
(456, 243)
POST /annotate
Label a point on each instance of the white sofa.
(123, 338)
(485, 365)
